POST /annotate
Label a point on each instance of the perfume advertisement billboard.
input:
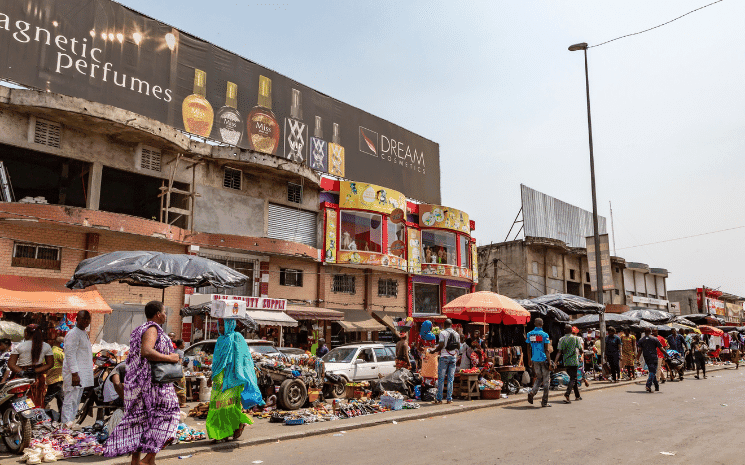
(104, 52)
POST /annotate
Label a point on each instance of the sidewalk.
(262, 432)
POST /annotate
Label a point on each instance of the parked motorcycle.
(93, 396)
(16, 411)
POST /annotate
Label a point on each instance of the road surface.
(697, 420)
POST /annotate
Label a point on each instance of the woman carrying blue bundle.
(234, 385)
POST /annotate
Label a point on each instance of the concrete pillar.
(94, 186)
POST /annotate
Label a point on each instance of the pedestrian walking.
(661, 355)
(77, 367)
(538, 359)
(688, 336)
(151, 409)
(181, 385)
(54, 376)
(734, 348)
(677, 342)
(234, 385)
(700, 349)
(447, 346)
(628, 352)
(321, 350)
(32, 358)
(569, 346)
(402, 351)
(613, 354)
(649, 346)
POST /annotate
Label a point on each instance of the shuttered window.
(151, 159)
(292, 224)
(47, 133)
(294, 193)
(232, 178)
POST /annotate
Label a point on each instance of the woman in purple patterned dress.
(151, 410)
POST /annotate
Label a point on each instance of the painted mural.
(415, 251)
(370, 197)
(330, 249)
(474, 262)
(437, 216)
(433, 269)
(371, 258)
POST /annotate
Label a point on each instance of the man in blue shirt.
(538, 359)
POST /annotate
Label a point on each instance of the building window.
(452, 293)
(387, 288)
(289, 277)
(587, 276)
(232, 178)
(395, 233)
(465, 252)
(617, 292)
(571, 274)
(291, 224)
(294, 193)
(618, 270)
(361, 231)
(427, 299)
(150, 159)
(47, 133)
(36, 256)
(343, 283)
(439, 247)
(245, 267)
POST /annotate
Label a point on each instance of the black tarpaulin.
(154, 269)
(542, 310)
(570, 304)
(611, 319)
(651, 315)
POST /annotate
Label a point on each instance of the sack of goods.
(234, 309)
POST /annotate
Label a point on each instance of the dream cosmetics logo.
(391, 150)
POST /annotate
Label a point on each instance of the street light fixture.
(598, 266)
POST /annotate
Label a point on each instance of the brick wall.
(389, 304)
(343, 301)
(310, 279)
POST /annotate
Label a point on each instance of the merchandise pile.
(186, 434)
(64, 443)
(310, 369)
(490, 384)
(200, 411)
(324, 412)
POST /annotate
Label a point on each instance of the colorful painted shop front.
(375, 235)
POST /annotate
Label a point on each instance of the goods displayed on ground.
(293, 379)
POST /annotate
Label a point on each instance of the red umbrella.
(487, 307)
(710, 331)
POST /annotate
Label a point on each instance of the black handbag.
(166, 372)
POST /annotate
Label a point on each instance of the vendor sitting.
(113, 387)
(477, 355)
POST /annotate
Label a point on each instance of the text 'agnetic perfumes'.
(229, 121)
(336, 154)
(296, 132)
(318, 149)
(196, 110)
(263, 130)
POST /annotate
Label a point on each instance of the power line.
(651, 28)
(681, 238)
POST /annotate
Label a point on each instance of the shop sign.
(397, 216)
(605, 264)
(370, 197)
(330, 253)
(715, 306)
(648, 300)
(437, 216)
(445, 270)
(371, 258)
(474, 262)
(252, 303)
(415, 251)
(107, 53)
(398, 248)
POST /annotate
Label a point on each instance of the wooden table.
(468, 385)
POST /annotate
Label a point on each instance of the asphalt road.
(697, 420)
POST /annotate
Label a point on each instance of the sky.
(494, 84)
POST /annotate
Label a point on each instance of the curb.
(345, 425)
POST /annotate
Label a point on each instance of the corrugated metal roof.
(546, 216)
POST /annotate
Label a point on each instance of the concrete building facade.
(726, 305)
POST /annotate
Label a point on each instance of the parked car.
(259, 346)
(291, 351)
(360, 362)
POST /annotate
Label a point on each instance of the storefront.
(314, 323)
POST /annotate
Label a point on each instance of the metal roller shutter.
(291, 224)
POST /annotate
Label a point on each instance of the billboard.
(546, 216)
(370, 197)
(605, 264)
(107, 53)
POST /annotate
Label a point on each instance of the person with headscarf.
(151, 411)
(234, 385)
(31, 358)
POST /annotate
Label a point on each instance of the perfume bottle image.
(196, 110)
(336, 154)
(296, 132)
(229, 121)
(263, 130)
(319, 159)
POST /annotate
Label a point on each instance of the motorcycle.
(93, 396)
(16, 412)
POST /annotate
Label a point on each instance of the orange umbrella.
(710, 330)
(487, 307)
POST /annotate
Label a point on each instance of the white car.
(361, 362)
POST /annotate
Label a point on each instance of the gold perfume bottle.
(196, 110)
(263, 129)
(336, 154)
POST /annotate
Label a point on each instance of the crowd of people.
(651, 352)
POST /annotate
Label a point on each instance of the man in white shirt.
(77, 369)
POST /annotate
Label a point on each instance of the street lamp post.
(596, 233)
